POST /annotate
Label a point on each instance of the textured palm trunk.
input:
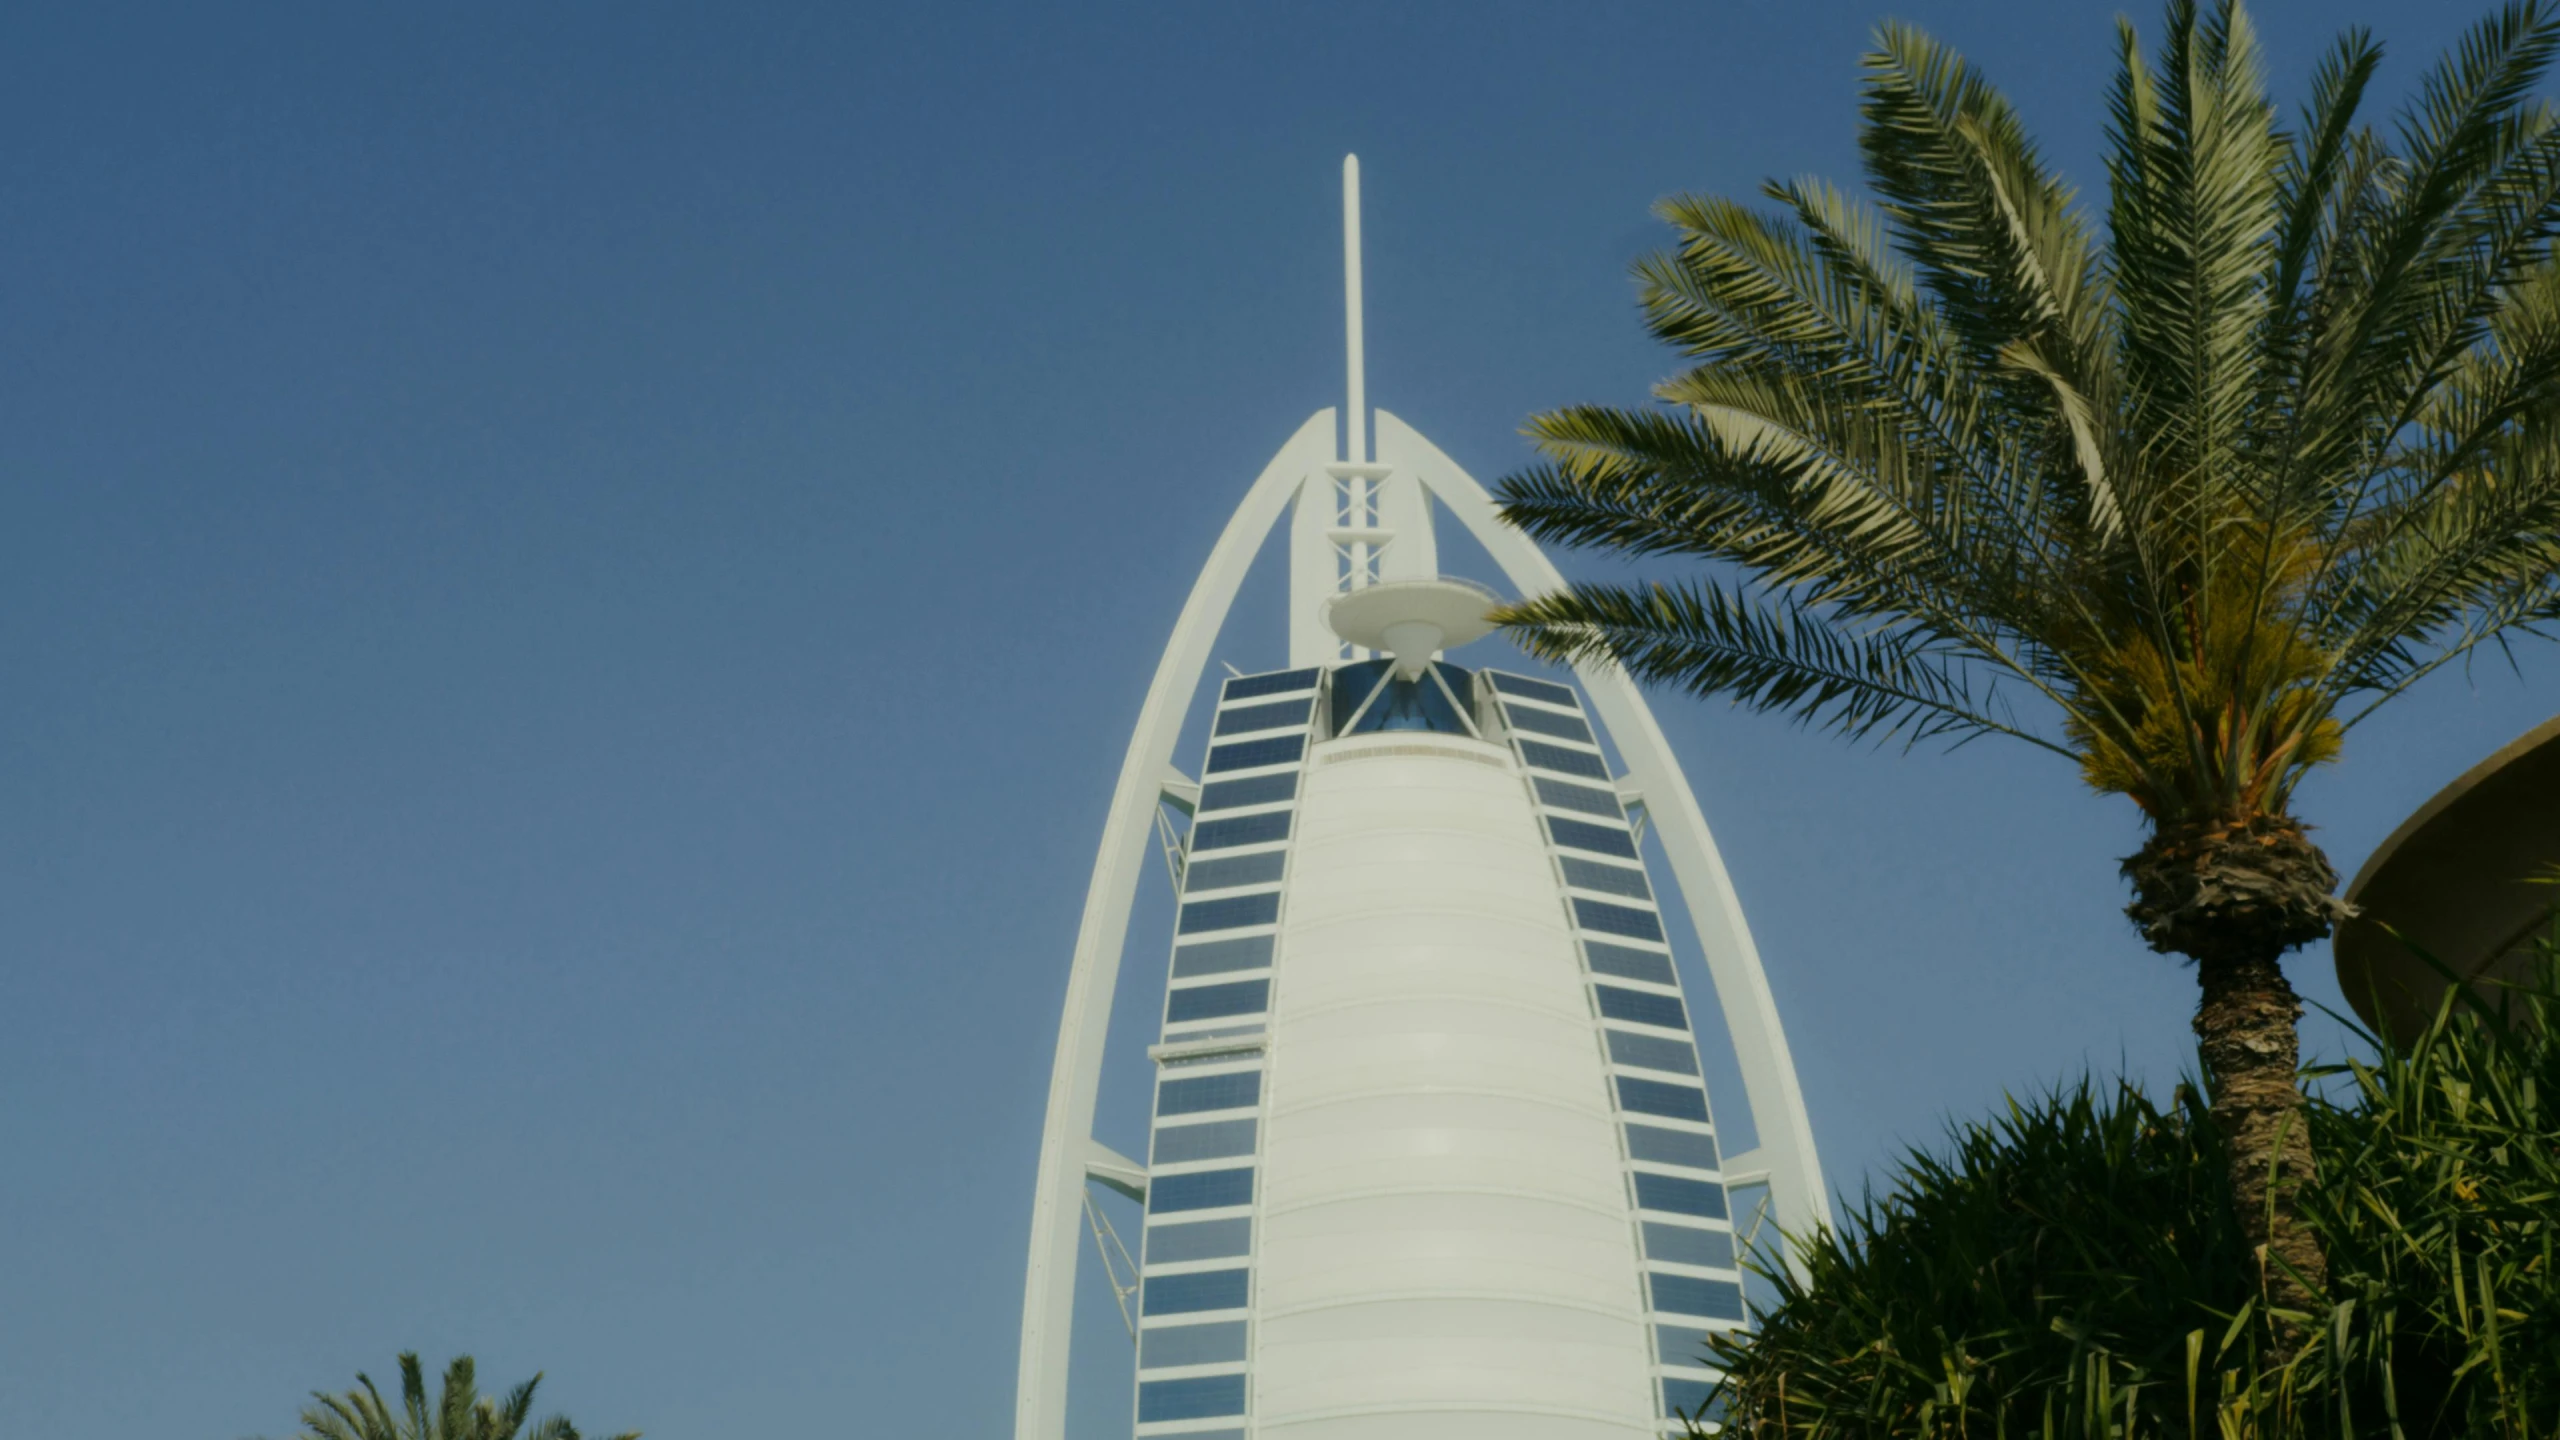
(2235, 895)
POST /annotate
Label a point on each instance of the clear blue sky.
(573, 580)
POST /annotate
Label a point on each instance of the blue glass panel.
(1232, 913)
(1252, 790)
(1202, 1190)
(1680, 1345)
(1570, 762)
(1672, 1193)
(1540, 722)
(1232, 1091)
(1199, 1290)
(1672, 1147)
(1208, 1002)
(1695, 1399)
(1216, 1140)
(1615, 879)
(1198, 1240)
(1279, 682)
(1168, 1346)
(1642, 1007)
(1217, 957)
(1685, 1245)
(1227, 874)
(1652, 1052)
(1627, 963)
(1532, 689)
(1404, 705)
(1689, 1295)
(1583, 835)
(1245, 719)
(1247, 754)
(1611, 919)
(1242, 830)
(1565, 796)
(1190, 1399)
(1653, 1097)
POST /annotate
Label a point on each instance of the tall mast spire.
(1355, 417)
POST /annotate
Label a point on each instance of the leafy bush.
(2073, 1267)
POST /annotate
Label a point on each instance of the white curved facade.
(1431, 1153)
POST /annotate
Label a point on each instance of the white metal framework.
(1359, 516)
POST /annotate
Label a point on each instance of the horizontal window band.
(1583, 835)
(1254, 754)
(1194, 1292)
(1194, 1398)
(1279, 682)
(1200, 1190)
(1611, 919)
(1689, 1399)
(1256, 790)
(1235, 912)
(1210, 1140)
(1642, 1007)
(1217, 957)
(1242, 830)
(1166, 1347)
(1541, 722)
(1652, 1052)
(1658, 1146)
(1608, 879)
(1670, 1194)
(1564, 795)
(1262, 867)
(1586, 763)
(1527, 688)
(1244, 719)
(1198, 1240)
(1210, 1002)
(1682, 1345)
(1688, 1245)
(1653, 1097)
(1695, 1295)
(1239, 1090)
(1628, 963)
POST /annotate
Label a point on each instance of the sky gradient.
(573, 581)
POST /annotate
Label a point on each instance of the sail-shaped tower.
(1432, 1154)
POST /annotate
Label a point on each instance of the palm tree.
(2202, 481)
(461, 1411)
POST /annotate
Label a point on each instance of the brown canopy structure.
(2467, 879)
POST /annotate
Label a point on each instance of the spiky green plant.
(461, 1412)
(2066, 1268)
(2201, 480)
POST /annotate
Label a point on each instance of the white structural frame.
(1306, 476)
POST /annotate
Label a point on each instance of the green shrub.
(2072, 1267)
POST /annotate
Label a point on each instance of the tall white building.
(1432, 1156)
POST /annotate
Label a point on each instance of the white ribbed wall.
(1445, 1247)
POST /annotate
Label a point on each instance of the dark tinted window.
(1252, 790)
(1198, 1240)
(1541, 722)
(1566, 796)
(1246, 754)
(1242, 830)
(1689, 1295)
(1611, 919)
(1210, 1092)
(1190, 1399)
(1653, 1097)
(1167, 1346)
(1201, 1190)
(1216, 1140)
(1416, 704)
(1582, 835)
(1652, 1052)
(1200, 1290)
(1232, 913)
(1671, 1147)
(1281, 682)
(1216, 957)
(1615, 879)
(1533, 689)
(1691, 1398)
(1680, 1345)
(1556, 757)
(1667, 1192)
(1628, 963)
(1684, 1245)
(1642, 1006)
(1244, 719)
(1208, 1002)
(1227, 874)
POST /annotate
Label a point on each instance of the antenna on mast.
(1355, 416)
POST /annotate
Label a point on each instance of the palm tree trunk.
(2234, 895)
(2245, 1034)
